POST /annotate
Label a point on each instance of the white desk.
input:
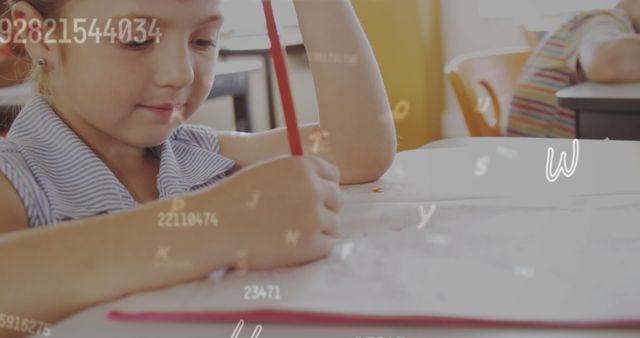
(232, 78)
(93, 324)
(604, 110)
(507, 155)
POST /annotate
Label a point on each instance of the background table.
(232, 78)
(93, 322)
(259, 45)
(604, 110)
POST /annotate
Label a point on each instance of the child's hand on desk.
(282, 212)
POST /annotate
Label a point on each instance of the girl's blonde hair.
(48, 9)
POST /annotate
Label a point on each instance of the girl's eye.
(133, 44)
(204, 44)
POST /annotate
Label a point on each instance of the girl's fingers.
(325, 169)
(331, 225)
(332, 195)
(323, 245)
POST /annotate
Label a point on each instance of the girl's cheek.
(206, 72)
(204, 78)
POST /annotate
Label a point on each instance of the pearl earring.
(42, 62)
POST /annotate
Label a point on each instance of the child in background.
(597, 46)
(92, 163)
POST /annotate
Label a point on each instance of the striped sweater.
(554, 66)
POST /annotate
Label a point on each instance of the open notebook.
(526, 260)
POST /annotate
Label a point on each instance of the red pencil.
(283, 81)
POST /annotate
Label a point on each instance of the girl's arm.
(611, 58)
(49, 273)
(353, 104)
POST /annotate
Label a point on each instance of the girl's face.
(111, 86)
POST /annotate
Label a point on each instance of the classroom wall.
(463, 30)
(406, 38)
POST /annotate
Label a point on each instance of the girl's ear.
(29, 30)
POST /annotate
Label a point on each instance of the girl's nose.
(175, 67)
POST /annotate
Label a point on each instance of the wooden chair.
(12, 98)
(484, 80)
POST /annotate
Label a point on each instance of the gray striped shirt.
(59, 177)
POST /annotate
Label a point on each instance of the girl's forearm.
(612, 59)
(74, 265)
(627, 54)
(353, 102)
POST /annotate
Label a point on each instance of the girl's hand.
(281, 212)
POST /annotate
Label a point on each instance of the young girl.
(598, 46)
(93, 162)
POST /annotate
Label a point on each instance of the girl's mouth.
(166, 111)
